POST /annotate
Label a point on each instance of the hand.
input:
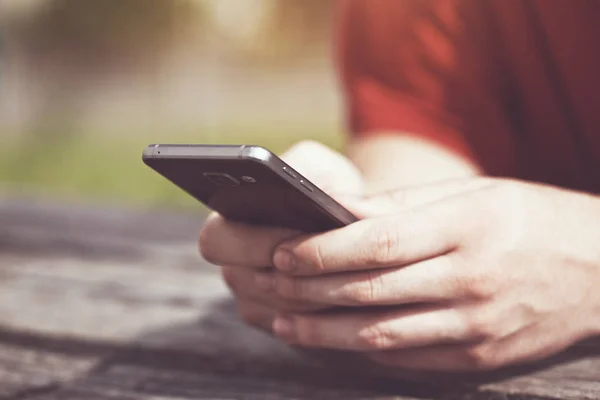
(500, 272)
(243, 250)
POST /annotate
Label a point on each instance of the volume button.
(290, 172)
(306, 185)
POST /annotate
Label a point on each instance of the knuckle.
(478, 326)
(482, 357)
(479, 286)
(309, 332)
(364, 292)
(319, 258)
(291, 288)
(357, 294)
(375, 336)
(484, 287)
(382, 245)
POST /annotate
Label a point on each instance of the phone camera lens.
(221, 179)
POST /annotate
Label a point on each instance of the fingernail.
(265, 282)
(285, 328)
(284, 260)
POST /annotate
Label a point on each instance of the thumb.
(398, 200)
(331, 171)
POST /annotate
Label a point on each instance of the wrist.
(394, 160)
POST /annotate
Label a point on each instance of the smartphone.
(248, 184)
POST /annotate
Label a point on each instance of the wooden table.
(109, 303)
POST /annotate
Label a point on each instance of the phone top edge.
(174, 151)
(249, 152)
(256, 153)
(149, 151)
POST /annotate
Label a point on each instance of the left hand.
(241, 249)
(505, 273)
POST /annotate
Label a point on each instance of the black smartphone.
(248, 184)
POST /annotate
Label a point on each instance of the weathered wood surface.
(106, 303)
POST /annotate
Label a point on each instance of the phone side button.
(306, 185)
(290, 172)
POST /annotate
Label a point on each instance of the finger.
(384, 242)
(432, 280)
(369, 331)
(394, 201)
(525, 346)
(224, 242)
(242, 283)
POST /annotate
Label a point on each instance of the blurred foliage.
(305, 22)
(105, 31)
(116, 31)
(75, 42)
(291, 30)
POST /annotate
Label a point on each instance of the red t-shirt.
(513, 83)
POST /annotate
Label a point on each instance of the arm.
(396, 81)
(389, 160)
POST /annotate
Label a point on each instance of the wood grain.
(105, 303)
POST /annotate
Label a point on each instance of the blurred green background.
(85, 85)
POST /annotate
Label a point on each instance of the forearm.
(393, 160)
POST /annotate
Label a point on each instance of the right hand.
(242, 250)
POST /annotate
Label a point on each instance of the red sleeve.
(397, 63)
